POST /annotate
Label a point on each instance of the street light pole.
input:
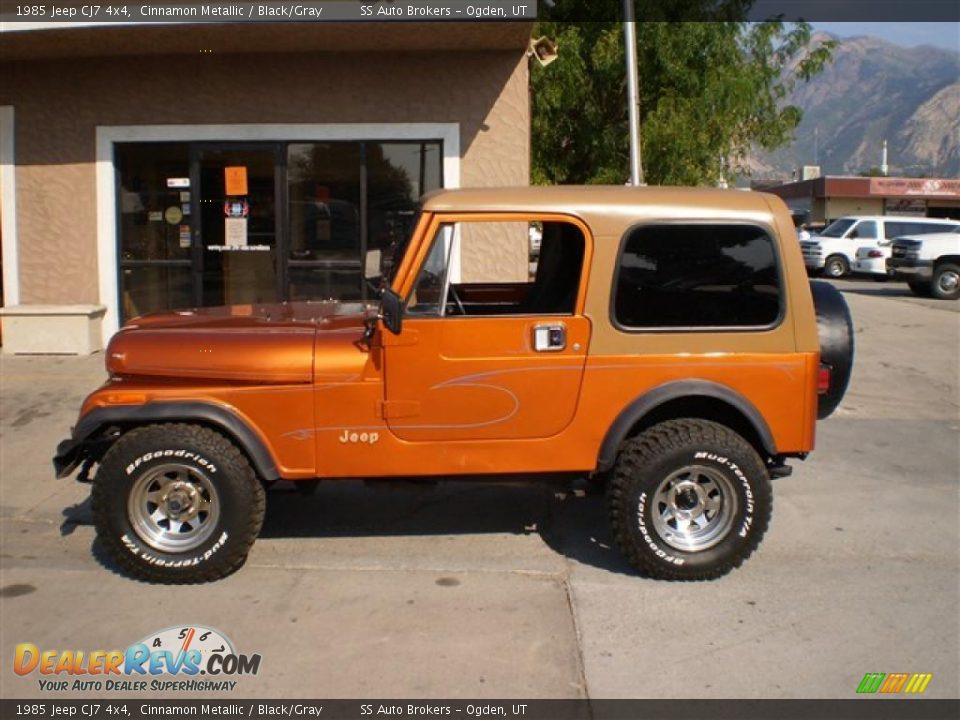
(633, 100)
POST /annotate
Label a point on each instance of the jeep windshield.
(837, 228)
(395, 252)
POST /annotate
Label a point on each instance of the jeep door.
(493, 342)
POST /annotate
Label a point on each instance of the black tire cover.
(835, 330)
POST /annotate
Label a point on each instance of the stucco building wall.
(59, 103)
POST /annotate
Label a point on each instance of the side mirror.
(391, 310)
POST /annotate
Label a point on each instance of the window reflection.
(154, 217)
(324, 192)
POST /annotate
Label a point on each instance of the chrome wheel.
(835, 268)
(173, 508)
(693, 508)
(948, 281)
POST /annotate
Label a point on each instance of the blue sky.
(942, 35)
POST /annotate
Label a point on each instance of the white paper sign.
(235, 232)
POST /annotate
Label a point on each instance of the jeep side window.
(501, 268)
(697, 276)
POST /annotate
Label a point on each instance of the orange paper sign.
(235, 180)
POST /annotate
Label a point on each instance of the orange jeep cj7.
(665, 342)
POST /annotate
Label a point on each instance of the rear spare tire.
(835, 330)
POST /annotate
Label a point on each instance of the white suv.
(930, 264)
(833, 251)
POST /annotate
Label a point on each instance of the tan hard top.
(610, 210)
(613, 205)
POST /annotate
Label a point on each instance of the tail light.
(875, 254)
(823, 380)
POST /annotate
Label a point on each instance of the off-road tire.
(837, 345)
(649, 459)
(939, 288)
(238, 490)
(836, 266)
(920, 289)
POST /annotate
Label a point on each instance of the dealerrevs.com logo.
(184, 652)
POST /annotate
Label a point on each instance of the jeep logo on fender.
(352, 437)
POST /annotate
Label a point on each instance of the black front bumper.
(909, 268)
(76, 448)
(68, 457)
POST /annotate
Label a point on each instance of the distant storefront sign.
(929, 187)
(905, 206)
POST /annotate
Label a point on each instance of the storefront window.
(155, 203)
(397, 175)
(155, 210)
(183, 246)
(149, 288)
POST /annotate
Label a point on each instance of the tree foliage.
(709, 92)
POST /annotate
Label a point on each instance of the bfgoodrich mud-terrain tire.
(177, 504)
(689, 500)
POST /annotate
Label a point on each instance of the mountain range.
(873, 91)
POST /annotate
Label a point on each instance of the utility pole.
(633, 99)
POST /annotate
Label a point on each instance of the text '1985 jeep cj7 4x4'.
(664, 341)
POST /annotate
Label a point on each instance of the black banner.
(79, 12)
(754, 10)
(853, 709)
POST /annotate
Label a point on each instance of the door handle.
(550, 337)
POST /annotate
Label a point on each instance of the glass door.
(155, 227)
(235, 260)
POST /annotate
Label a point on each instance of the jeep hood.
(238, 343)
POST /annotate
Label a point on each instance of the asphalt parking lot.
(473, 591)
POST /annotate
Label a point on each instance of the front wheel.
(177, 504)
(689, 500)
(946, 282)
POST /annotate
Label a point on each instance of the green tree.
(709, 92)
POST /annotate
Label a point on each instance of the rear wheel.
(177, 504)
(836, 266)
(946, 282)
(689, 500)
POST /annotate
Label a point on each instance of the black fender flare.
(70, 452)
(654, 398)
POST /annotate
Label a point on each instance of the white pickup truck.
(833, 251)
(930, 264)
